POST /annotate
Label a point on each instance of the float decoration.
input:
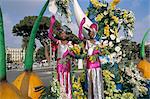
(79, 15)
(144, 65)
(7, 91)
(77, 87)
(27, 81)
(52, 91)
(62, 7)
(2, 52)
(110, 21)
(110, 88)
(79, 54)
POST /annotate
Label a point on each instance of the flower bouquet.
(79, 54)
(63, 7)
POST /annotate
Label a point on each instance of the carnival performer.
(63, 61)
(94, 73)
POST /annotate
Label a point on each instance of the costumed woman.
(94, 73)
(63, 61)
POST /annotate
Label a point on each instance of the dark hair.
(87, 29)
(66, 29)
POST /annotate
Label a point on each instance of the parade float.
(7, 90)
(120, 74)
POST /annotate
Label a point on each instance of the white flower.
(112, 36)
(118, 40)
(103, 37)
(130, 33)
(111, 44)
(112, 31)
(119, 59)
(129, 25)
(120, 53)
(105, 43)
(105, 12)
(120, 21)
(104, 60)
(117, 48)
(113, 55)
(111, 23)
(52, 89)
(124, 55)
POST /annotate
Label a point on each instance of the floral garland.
(110, 21)
(133, 78)
(63, 8)
(78, 92)
(131, 81)
(110, 88)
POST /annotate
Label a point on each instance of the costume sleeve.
(52, 21)
(68, 52)
(80, 34)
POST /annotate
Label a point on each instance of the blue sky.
(15, 10)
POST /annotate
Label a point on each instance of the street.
(44, 73)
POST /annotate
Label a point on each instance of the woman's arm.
(50, 34)
(80, 29)
(46, 52)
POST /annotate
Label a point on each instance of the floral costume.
(94, 73)
(63, 62)
(95, 84)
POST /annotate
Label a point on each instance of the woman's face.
(91, 34)
(63, 35)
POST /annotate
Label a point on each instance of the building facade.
(15, 55)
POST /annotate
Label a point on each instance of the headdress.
(93, 27)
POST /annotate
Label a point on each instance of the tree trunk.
(46, 52)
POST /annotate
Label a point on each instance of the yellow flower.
(76, 50)
(91, 58)
(97, 4)
(78, 91)
(125, 14)
(99, 17)
(128, 95)
(96, 48)
(86, 13)
(114, 3)
(108, 74)
(115, 19)
(73, 78)
(106, 30)
(116, 32)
